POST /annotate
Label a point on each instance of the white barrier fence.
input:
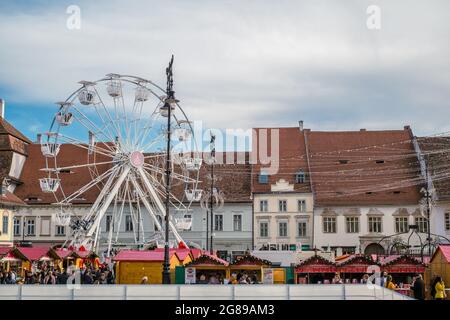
(199, 292)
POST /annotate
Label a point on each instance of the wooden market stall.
(403, 268)
(206, 266)
(440, 266)
(353, 267)
(65, 258)
(86, 258)
(316, 269)
(133, 265)
(32, 257)
(252, 266)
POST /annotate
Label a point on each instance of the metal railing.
(199, 292)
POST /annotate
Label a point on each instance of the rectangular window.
(375, 224)
(263, 178)
(60, 230)
(237, 222)
(329, 224)
(31, 227)
(218, 222)
(401, 224)
(422, 224)
(109, 223)
(17, 226)
(263, 229)
(263, 206)
(5, 224)
(302, 205)
(300, 177)
(283, 229)
(128, 223)
(352, 224)
(282, 205)
(301, 229)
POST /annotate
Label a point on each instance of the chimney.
(2, 108)
(300, 125)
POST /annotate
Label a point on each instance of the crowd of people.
(235, 278)
(46, 274)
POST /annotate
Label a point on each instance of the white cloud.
(243, 64)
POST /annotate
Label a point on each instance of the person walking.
(439, 289)
(418, 287)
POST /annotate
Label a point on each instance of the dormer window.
(263, 178)
(343, 161)
(300, 177)
(4, 187)
(379, 161)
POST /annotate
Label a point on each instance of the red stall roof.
(31, 254)
(402, 264)
(136, 255)
(445, 252)
(250, 260)
(181, 253)
(207, 259)
(4, 251)
(356, 263)
(316, 264)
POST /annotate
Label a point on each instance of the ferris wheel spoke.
(122, 207)
(94, 149)
(147, 205)
(92, 127)
(108, 115)
(109, 198)
(158, 202)
(77, 193)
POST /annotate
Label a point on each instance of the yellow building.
(8, 202)
(133, 266)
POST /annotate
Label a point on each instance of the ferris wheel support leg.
(147, 205)
(161, 208)
(108, 201)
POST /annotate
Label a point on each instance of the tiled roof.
(236, 187)
(10, 199)
(7, 128)
(437, 155)
(291, 158)
(364, 167)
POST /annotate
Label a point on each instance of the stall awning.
(316, 264)
(250, 260)
(356, 263)
(208, 260)
(403, 264)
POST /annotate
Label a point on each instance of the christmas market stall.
(65, 258)
(32, 258)
(85, 258)
(316, 269)
(206, 268)
(440, 266)
(253, 267)
(353, 268)
(402, 268)
(132, 266)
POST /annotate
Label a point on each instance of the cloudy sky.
(239, 64)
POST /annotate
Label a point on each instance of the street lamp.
(169, 105)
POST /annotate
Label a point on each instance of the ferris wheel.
(120, 123)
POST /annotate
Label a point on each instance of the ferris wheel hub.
(137, 159)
